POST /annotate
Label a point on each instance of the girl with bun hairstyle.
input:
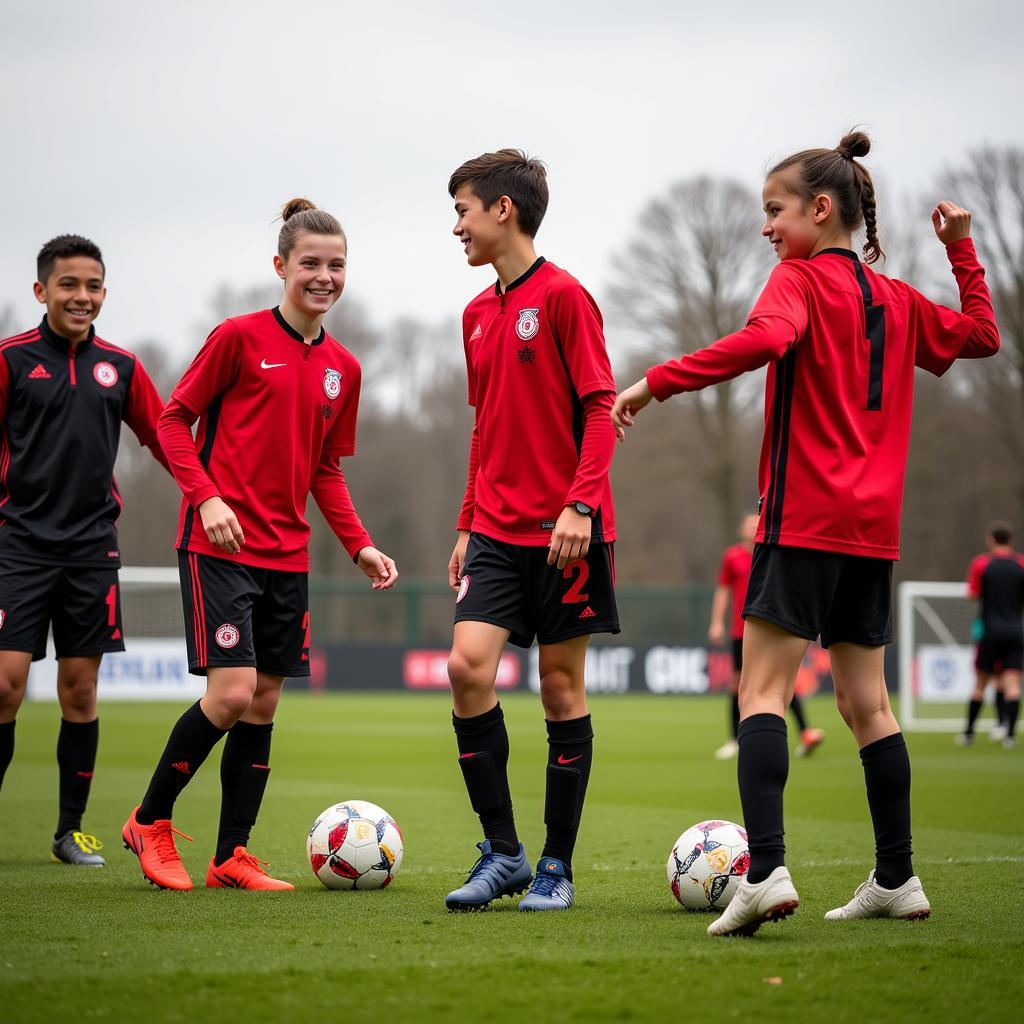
(276, 398)
(841, 343)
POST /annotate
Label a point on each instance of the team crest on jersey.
(463, 589)
(3, 615)
(332, 383)
(105, 374)
(227, 636)
(527, 325)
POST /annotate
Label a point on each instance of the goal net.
(154, 664)
(936, 654)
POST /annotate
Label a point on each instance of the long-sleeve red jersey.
(841, 343)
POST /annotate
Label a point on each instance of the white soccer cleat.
(754, 904)
(907, 903)
(727, 750)
(997, 732)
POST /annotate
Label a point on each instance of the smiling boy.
(534, 552)
(63, 395)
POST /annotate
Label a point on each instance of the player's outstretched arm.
(458, 560)
(378, 567)
(628, 404)
(221, 526)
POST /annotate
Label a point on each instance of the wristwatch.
(583, 509)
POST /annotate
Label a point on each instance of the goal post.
(935, 646)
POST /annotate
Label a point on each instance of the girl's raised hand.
(951, 222)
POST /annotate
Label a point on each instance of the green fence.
(419, 611)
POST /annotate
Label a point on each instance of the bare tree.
(688, 277)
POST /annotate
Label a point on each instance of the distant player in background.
(276, 398)
(533, 557)
(841, 343)
(64, 393)
(733, 575)
(996, 579)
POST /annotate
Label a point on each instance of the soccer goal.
(154, 664)
(936, 654)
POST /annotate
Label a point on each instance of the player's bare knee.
(234, 701)
(78, 695)
(12, 692)
(467, 674)
(560, 693)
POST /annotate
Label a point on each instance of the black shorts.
(1000, 655)
(238, 615)
(83, 603)
(841, 598)
(512, 586)
(737, 653)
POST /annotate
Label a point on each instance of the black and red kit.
(61, 410)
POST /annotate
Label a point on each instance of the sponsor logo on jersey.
(39, 373)
(3, 616)
(478, 332)
(562, 759)
(227, 636)
(332, 383)
(527, 325)
(588, 613)
(264, 365)
(327, 411)
(105, 374)
(463, 589)
(527, 354)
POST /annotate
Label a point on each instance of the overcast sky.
(171, 133)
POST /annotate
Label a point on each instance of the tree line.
(688, 275)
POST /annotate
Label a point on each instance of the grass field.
(102, 945)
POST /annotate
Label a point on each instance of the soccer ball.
(707, 863)
(355, 845)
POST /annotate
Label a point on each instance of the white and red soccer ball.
(355, 845)
(707, 863)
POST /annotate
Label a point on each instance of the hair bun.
(294, 206)
(853, 145)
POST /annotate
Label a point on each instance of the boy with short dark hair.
(534, 555)
(63, 395)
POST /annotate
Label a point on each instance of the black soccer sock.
(762, 769)
(570, 755)
(77, 743)
(796, 707)
(6, 747)
(483, 758)
(1000, 707)
(973, 708)
(244, 771)
(1012, 711)
(734, 713)
(887, 775)
(188, 746)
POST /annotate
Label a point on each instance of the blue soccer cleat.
(494, 875)
(550, 890)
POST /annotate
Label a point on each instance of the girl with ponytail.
(276, 398)
(841, 343)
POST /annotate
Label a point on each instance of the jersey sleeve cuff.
(960, 250)
(197, 497)
(657, 381)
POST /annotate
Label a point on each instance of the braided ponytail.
(837, 172)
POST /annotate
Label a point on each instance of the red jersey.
(275, 415)
(842, 343)
(534, 353)
(734, 573)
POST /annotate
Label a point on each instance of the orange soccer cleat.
(154, 846)
(810, 739)
(243, 871)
